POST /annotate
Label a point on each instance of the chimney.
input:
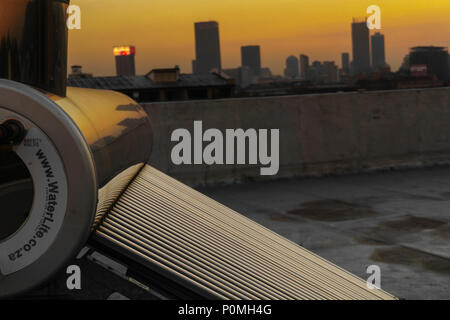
(33, 43)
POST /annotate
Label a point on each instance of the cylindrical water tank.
(66, 154)
(77, 154)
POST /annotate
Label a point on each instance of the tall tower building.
(304, 66)
(291, 70)
(207, 47)
(346, 62)
(361, 47)
(251, 58)
(378, 51)
(125, 65)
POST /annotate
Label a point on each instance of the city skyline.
(164, 38)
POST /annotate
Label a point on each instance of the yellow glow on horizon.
(163, 30)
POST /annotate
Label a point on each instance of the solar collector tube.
(196, 228)
(236, 227)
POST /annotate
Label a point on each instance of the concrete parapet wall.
(319, 134)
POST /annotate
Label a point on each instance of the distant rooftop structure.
(77, 72)
(164, 75)
(436, 60)
(162, 85)
(429, 48)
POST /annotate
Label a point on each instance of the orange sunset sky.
(163, 30)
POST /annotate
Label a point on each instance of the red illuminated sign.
(124, 51)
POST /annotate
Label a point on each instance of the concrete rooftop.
(397, 220)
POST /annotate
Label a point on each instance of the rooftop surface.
(396, 220)
(143, 82)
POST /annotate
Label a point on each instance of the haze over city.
(163, 30)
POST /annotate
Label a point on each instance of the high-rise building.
(346, 62)
(323, 72)
(304, 66)
(434, 58)
(207, 47)
(291, 70)
(378, 51)
(361, 47)
(251, 58)
(330, 72)
(125, 65)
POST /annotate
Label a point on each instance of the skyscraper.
(125, 65)
(251, 57)
(378, 51)
(304, 66)
(346, 62)
(207, 47)
(291, 70)
(361, 47)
